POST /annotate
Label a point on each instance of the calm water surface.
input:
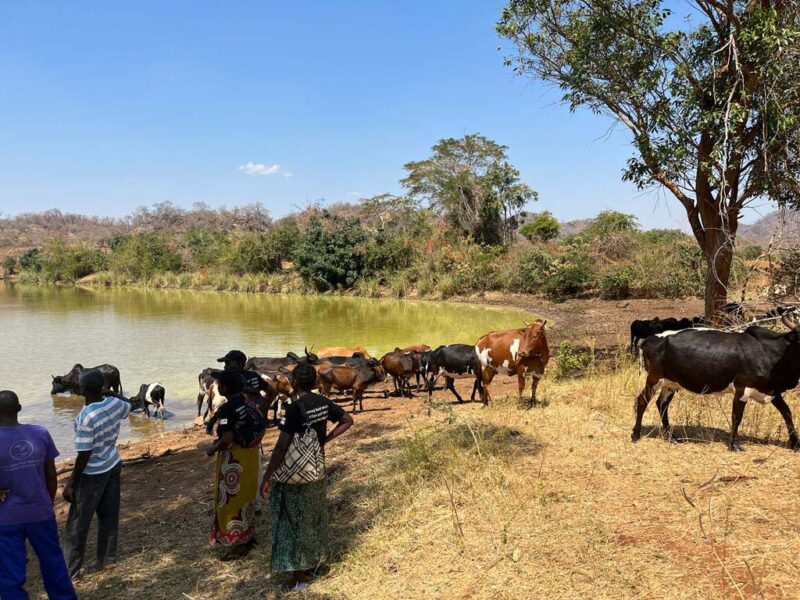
(169, 336)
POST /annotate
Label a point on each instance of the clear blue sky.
(106, 106)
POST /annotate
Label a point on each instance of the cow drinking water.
(71, 381)
(151, 394)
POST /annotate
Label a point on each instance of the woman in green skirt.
(298, 511)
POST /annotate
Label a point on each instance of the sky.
(108, 106)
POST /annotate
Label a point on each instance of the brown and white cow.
(342, 351)
(521, 352)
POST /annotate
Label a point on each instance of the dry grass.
(508, 503)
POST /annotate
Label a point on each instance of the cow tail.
(641, 361)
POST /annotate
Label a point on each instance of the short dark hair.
(9, 402)
(91, 381)
(304, 377)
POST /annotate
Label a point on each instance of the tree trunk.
(718, 250)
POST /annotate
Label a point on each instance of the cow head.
(312, 358)
(791, 321)
(534, 342)
(58, 385)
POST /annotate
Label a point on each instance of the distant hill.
(760, 232)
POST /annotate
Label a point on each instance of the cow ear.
(544, 322)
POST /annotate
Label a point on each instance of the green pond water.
(169, 336)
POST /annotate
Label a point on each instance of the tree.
(329, 253)
(712, 104)
(472, 183)
(543, 226)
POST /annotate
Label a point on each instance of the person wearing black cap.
(240, 426)
(299, 514)
(256, 389)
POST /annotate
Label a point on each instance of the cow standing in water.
(521, 352)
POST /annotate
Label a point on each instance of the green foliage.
(59, 262)
(206, 246)
(473, 185)
(10, 265)
(543, 227)
(569, 361)
(616, 283)
(610, 222)
(283, 237)
(329, 254)
(751, 252)
(31, 261)
(573, 274)
(387, 252)
(527, 273)
(712, 104)
(140, 256)
(253, 253)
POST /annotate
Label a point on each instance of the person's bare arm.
(345, 423)
(221, 444)
(51, 478)
(80, 464)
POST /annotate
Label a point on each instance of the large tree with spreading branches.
(711, 98)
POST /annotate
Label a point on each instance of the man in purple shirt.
(27, 490)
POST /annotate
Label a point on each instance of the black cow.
(456, 361)
(756, 364)
(71, 381)
(152, 394)
(643, 329)
(274, 365)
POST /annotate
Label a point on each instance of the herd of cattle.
(755, 364)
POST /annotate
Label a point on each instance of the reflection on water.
(169, 336)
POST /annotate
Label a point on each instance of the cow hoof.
(635, 436)
(735, 447)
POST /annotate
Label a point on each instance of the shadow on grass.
(696, 434)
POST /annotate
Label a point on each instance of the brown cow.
(401, 366)
(344, 377)
(418, 348)
(342, 351)
(519, 352)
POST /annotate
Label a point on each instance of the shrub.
(527, 272)
(253, 253)
(329, 253)
(570, 362)
(206, 246)
(31, 260)
(786, 276)
(616, 284)
(573, 274)
(59, 262)
(544, 227)
(751, 252)
(387, 252)
(140, 256)
(10, 265)
(283, 237)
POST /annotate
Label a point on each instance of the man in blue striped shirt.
(94, 486)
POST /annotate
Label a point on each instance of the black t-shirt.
(319, 409)
(242, 417)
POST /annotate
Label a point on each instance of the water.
(169, 336)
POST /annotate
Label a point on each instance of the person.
(240, 426)
(27, 490)
(94, 486)
(298, 513)
(257, 391)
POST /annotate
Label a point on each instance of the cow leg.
(783, 408)
(448, 384)
(737, 412)
(200, 398)
(534, 386)
(487, 375)
(662, 404)
(642, 400)
(520, 385)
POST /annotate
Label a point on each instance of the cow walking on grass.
(521, 352)
(757, 364)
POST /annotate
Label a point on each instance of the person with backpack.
(295, 480)
(240, 427)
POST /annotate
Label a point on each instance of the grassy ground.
(500, 503)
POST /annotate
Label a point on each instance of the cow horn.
(524, 322)
(789, 322)
(544, 322)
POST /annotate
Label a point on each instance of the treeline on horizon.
(459, 230)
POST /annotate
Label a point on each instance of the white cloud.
(356, 194)
(252, 168)
(287, 174)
